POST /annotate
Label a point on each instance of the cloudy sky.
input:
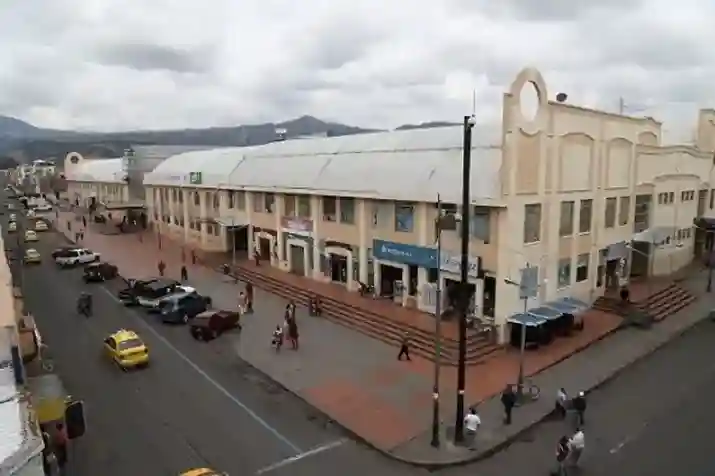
(129, 64)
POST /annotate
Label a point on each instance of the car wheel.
(185, 318)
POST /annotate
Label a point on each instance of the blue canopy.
(546, 313)
(576, 302)
(564, 307)
(528, 319)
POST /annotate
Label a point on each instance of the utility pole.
(437, 329)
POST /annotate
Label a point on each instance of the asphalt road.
(196, 405)
(653, 420)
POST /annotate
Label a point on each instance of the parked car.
(32, 256)
(180, 309)
(210, 324)
(179, 291)
(31, 236)
(41, 225)
(12, 227)
(147, 292)
(76, 257)
(62, 251)
(99, 272)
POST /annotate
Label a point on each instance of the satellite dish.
(561, 97)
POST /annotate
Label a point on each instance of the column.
(172, 208)
(203, 213)
(157, 204)
(317, 220)
(405, 284)
(423, 218)
(376, 270)
(278, 212)
(364, 224)
(249, 220)
(185, 210)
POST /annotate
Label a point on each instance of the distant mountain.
(426, 125)
(25, 142)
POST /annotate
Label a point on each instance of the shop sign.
(297, 226)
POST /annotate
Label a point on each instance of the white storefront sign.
(451, 263)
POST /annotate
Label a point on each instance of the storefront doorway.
(451, 287)
(264, 251)
(338, 268)
(297, 259)
(389, 275)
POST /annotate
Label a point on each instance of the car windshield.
(129, 344)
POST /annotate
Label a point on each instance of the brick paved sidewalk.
(357, 381)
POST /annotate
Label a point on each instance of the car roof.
(124, 334)
(31, 250)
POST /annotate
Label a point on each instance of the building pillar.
(203, 214)
(249, 220)
(278, 212)
(428, 241)
(363, 226)
(185, 210)
(316, 216)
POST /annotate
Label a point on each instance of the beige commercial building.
(584, 198)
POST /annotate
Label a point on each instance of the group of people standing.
(289, 329)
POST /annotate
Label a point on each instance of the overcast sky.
(130, 64)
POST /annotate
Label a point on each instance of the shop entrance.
(265, 248)
(451, 287)
(389, 275)
(237, 237)
(338, 268)
(297, 260)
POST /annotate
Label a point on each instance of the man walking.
(161, 266)
(561, 402)
(472, 422)
(508, 399)
(405, 347)
(579, 404)
(184, 273)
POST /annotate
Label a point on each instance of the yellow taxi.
(12, 227)
(126, 349)
(32, 256)
(202, 472)
(31, 236)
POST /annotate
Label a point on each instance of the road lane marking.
(279, 436)
(300, 456)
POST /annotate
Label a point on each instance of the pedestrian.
(257, 258)
(193, 257)
(81, 235)
(242, 302)
(508, 399)
(472, 422)
(84, 221)
(562, 452)
(561, 402)
(277, 338)
(290, 310)
(161, 266)
(76, 236)
(249, 297)
(293, 332)
(577, 443)
(60, 445)
(404, 347)
(184, 273)
(579, 404)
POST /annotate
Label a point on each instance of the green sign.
(195, 178)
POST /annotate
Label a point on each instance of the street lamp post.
(468, 125)
(524, 294)
(437, 328)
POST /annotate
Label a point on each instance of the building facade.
(570, 200)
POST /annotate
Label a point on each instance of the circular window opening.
(529, 100)
(74, 159)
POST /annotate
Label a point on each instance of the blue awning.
(545, 312)
(528, 320)
(564, 307)
(576, 302)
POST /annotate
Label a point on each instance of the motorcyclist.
(84, 304)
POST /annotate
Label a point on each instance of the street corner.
(369, 418)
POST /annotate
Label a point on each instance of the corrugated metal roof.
(164, 151)
(412, 165)
(12, 431)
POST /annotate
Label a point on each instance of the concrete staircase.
(368, 322)
(659, 305)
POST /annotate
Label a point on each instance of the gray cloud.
(148, 57)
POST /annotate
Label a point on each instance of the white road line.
(217, 385)
(300, 456)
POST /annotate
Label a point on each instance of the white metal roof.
(98, 170)
(11, 419)
(412, 165)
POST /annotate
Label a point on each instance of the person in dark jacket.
(249, 297)
(562, 453)
(184, 273)
(579, 405)
(405, 347)
(508, 399)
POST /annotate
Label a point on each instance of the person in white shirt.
(471, 425)
(561, 399)
(576, 445)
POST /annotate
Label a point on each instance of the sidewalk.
(358, 382)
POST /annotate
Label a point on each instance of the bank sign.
(423, 257)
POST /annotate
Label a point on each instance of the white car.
(77, 256)
(30, 236)
(13, 217)
(31, 213)
(12, 227)
(45, 207)
(41, 225)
